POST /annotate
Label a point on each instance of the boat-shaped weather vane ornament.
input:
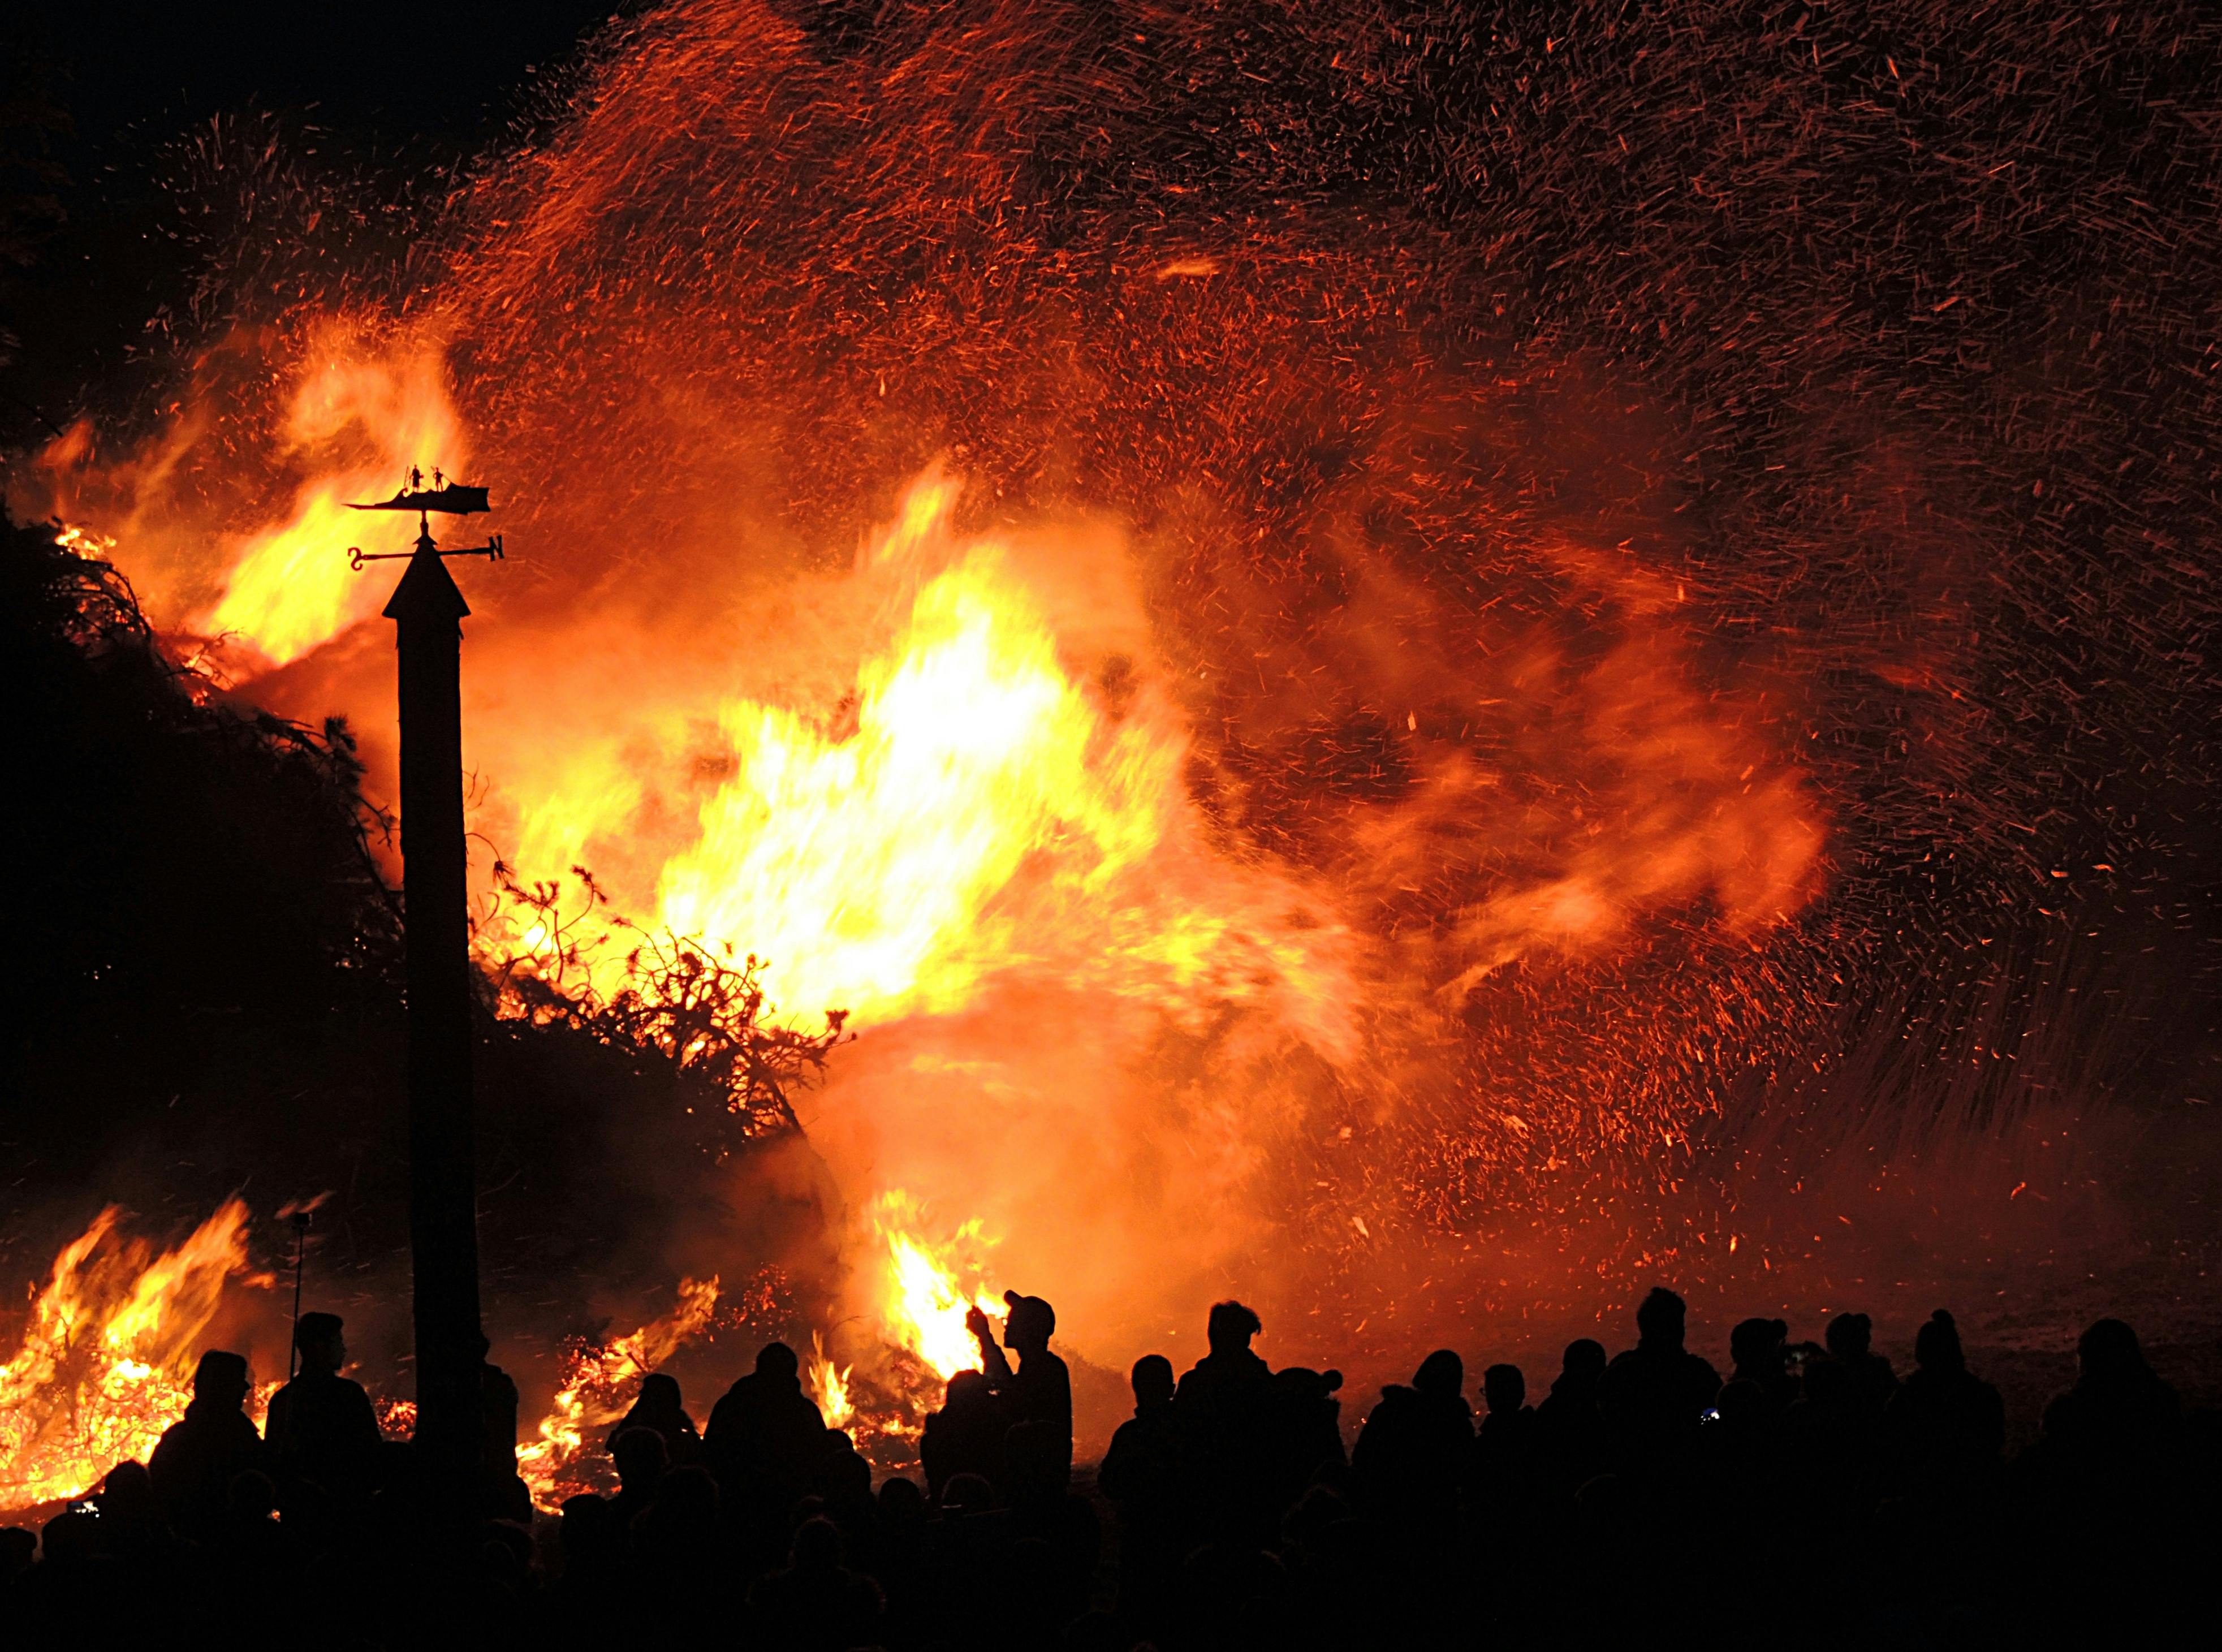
(443, 498)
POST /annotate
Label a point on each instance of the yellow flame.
(926, 1303)
(84, 542)
(105, 1361)
(829, 1386)
(290, 587)
(865, 867)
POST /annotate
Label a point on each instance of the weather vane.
(448, 499)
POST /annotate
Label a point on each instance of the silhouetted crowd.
(1814, 1496)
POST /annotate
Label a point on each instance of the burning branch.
(677, 999)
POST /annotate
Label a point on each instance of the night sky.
(102, 94)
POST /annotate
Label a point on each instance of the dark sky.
(403, 86)
(394, 71)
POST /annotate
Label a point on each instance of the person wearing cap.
(201, 1454)
(1040, 1390)
(320, 1429)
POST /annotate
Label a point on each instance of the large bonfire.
(1299, 707)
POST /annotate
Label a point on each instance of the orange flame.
(367, 418)
(982, 810)
(829, 1386)
(84, 542)
(595, 1393)
(105, 1363)
(924, 1305)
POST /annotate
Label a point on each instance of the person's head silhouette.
(1030, 1324)
(1584, 1362)
(1936, 1344)
(641, 1458)
(128, 1493)
(1757, 1342)
(1152, 1378)
(902, 1501)
(1662, 1319)
(659, 1393)
(2108, 1353)
(220, 1381)
(967, 1390)
(775, 1363)
(1441, 1375)
(1850, 1337)
(1503, 1389)
(322, 1340)
(1231, 1327)
(817, 1549)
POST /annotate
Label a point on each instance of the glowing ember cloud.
(105, 1361)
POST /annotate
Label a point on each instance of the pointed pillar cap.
(427, 594)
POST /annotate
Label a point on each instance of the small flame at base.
(925, 1303)
(595, 1393)
(829, 1386)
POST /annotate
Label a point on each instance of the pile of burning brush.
(103, 1363)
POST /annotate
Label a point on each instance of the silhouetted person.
(1141, 1475)
(816, 1604)
(677, 1557)
(1303, 1437)
(1653, 1395)
(1948, 1425)
(150, 1564)
(250, 1534)
(201, 1452)
(1872, 1382)
(1223, 1408)
(658, 1406)
(765, 1438)
(1413, 1450)
(642, 1463)
(320, 1429)
(19, 1551)
(1040, 1390)
(1569, 1421)
(592, 1545)
(906, 1575)
(1729, 1469)
(2118, 1405)
(1759, 1349)
(842, 1483)
(1231, 1367)
(1508, 1452)
(131, 1523)
(964, 1437)
(1826, 1437)
(1045, 1511)
(503, 1494)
